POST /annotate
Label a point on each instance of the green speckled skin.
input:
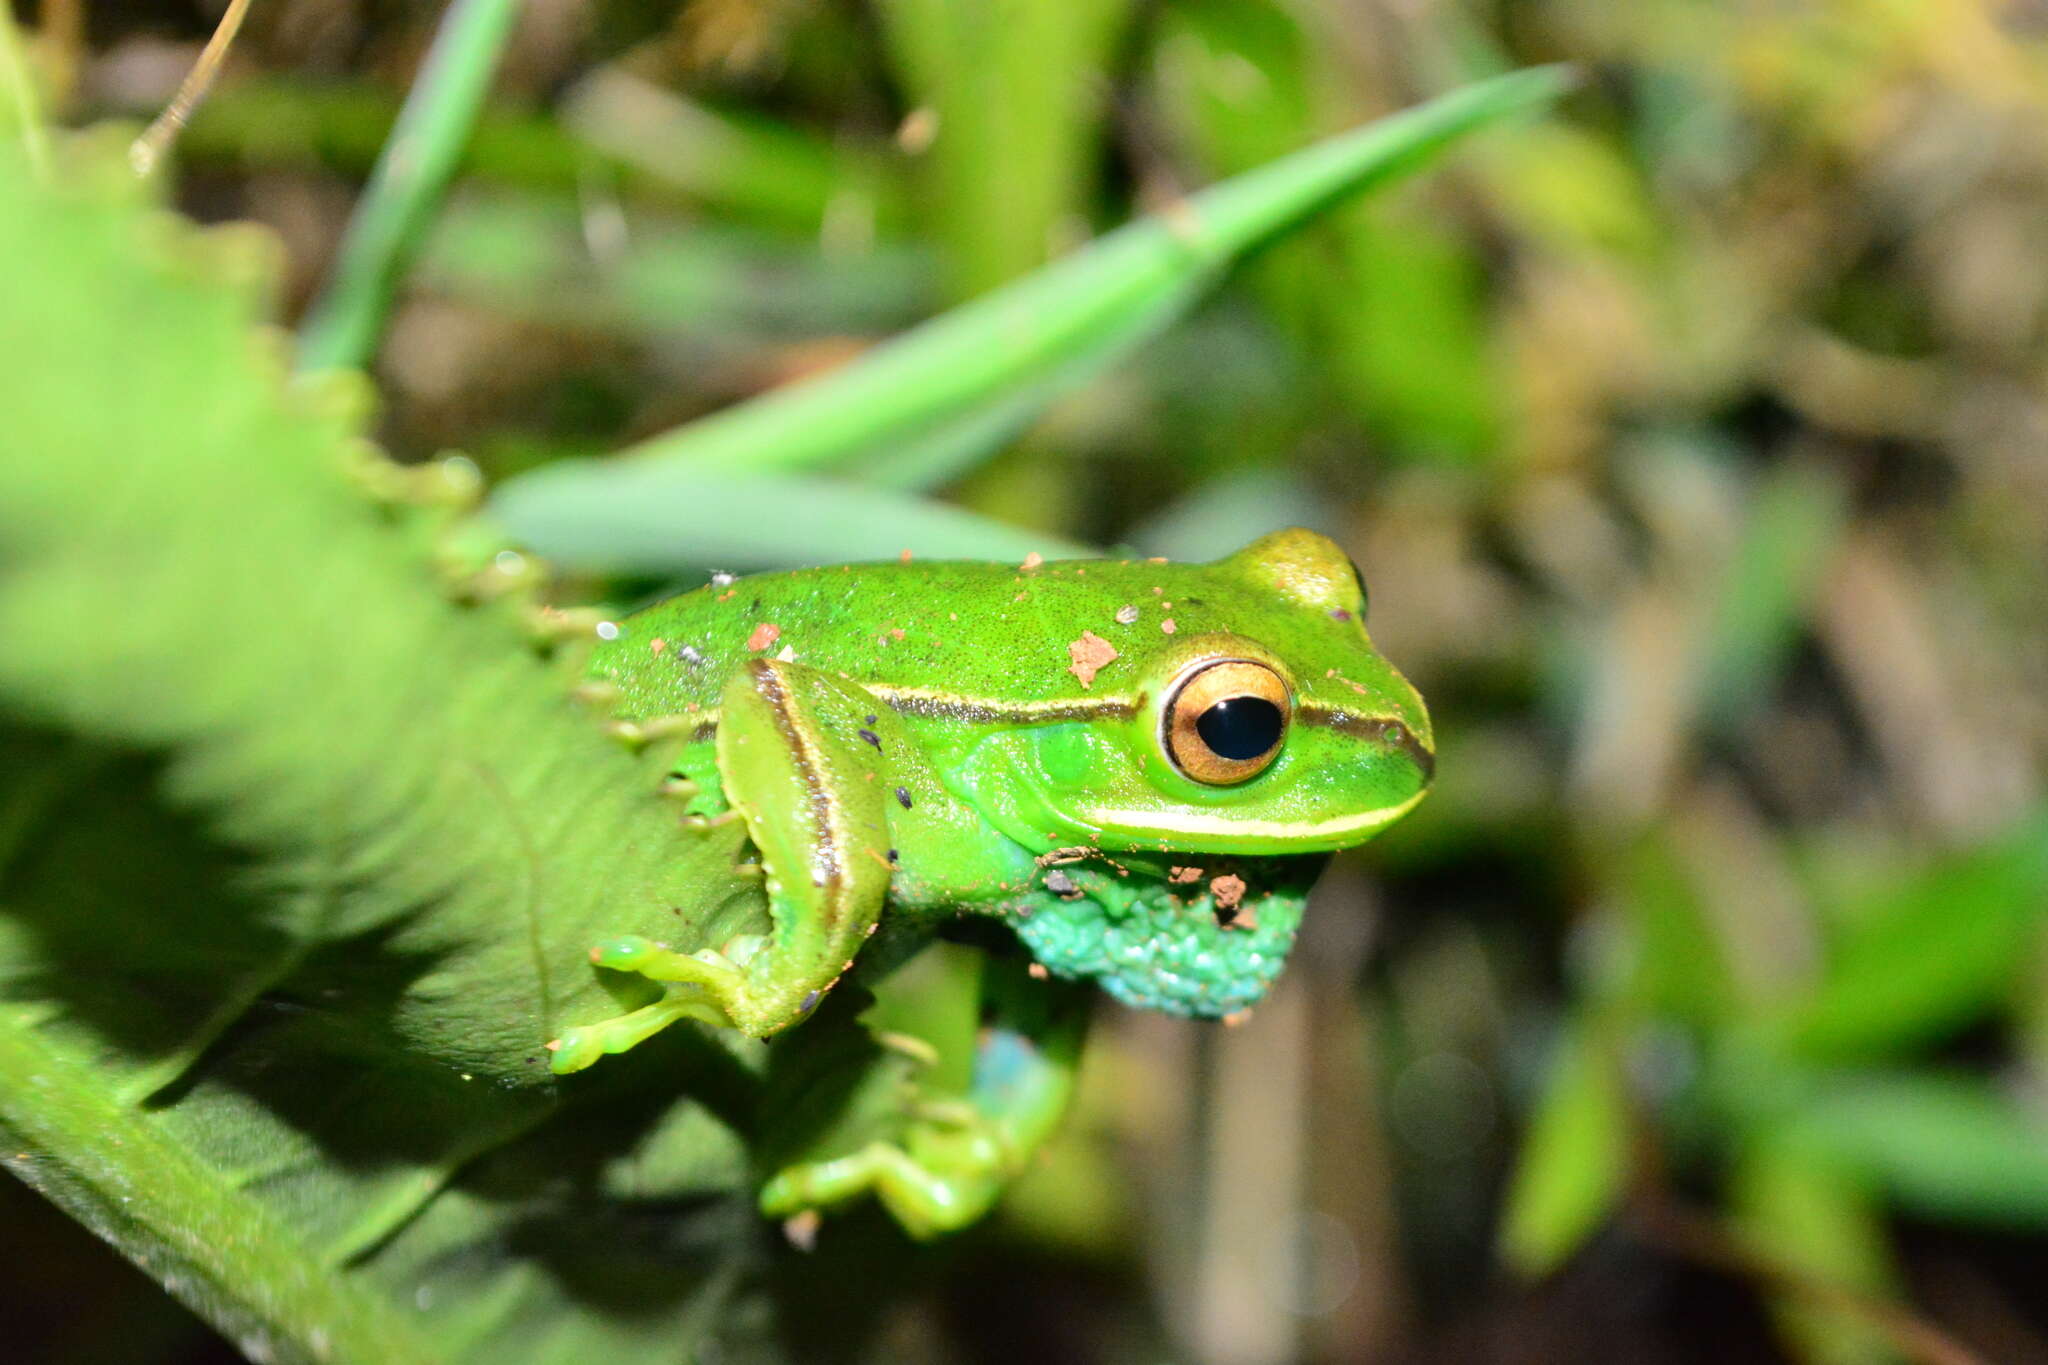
(920, 741)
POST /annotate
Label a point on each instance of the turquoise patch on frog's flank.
(1157, 953)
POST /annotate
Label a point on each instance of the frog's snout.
(1396, 735)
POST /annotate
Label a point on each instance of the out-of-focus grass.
(1690, 442)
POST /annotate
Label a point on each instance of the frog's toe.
(625, 953)
(576, 1049)
(707, 968)
(579, 1047)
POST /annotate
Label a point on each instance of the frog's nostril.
(1399, 737)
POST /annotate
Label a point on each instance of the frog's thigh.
(813, 796)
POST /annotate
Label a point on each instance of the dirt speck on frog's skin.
(1090, 655)
(1231, 911)
(1061, 884)
(1127, 615)
(903, 797)
(1185, 875)
(764, 635)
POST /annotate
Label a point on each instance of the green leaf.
(1936, 951)
(301, 846)
(1573, 1164)
(1808, 1214)
(1948, 1146)
(1048, 332)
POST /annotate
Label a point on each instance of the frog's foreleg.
(955, 1156)
(794, 767)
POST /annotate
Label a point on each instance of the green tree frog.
(1139, 767)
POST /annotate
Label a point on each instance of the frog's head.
(1249, 714)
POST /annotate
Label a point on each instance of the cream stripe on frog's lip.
(1191, 823)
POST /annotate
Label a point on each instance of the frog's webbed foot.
(942, 1173)
(707, 986)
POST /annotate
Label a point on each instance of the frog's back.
(957, 628)
(970, 638)
(859, 621)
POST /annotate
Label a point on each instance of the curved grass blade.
(413, 170)
(660, 522)
(1053, 330)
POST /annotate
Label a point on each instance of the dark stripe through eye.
(1240, 728)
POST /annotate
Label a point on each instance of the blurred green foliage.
(1690, 440)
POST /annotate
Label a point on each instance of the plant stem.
(214, 1246)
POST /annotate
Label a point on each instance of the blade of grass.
(651, 148)
(1125, 286)
(1015, 109)
(22, 108)
(409, 178)
(1947, 1145)
(1574, 1162)
(836, 189)
(661, 522)
(1934, 952)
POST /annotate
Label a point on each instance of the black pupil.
(1239, 728)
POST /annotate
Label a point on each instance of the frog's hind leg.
(811, 794)
(954, 1156)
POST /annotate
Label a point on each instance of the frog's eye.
(1225, 722)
